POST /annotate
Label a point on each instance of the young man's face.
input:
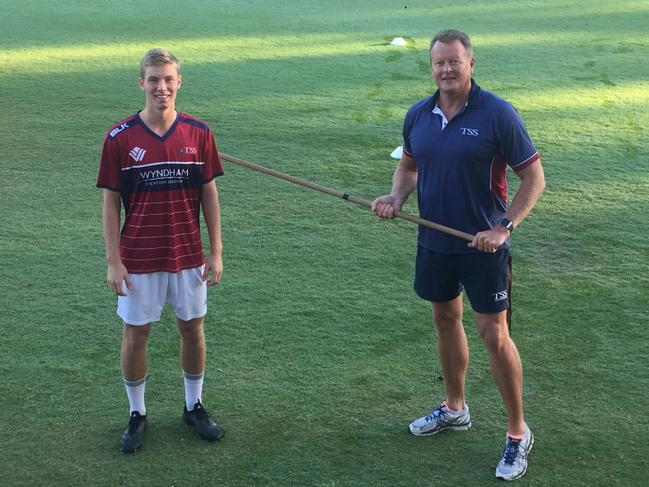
(160, 85)
(452, 66)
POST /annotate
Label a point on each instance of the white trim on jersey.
(197, 163)
(164, 225)
(166, 257)
(188, 210)
(159, 248)
(146, 203)
(159, 236)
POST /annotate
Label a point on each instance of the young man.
(161, 165)
(457, 146)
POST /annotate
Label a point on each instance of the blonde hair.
(156, 57)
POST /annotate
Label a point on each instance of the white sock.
(135, 393)
(193, 389)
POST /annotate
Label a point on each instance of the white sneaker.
(440, 419)
(513, 463)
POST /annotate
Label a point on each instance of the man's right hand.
(386, 206)
(117, 274)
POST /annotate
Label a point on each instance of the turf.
(319, 354)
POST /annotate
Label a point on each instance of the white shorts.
(185, 291)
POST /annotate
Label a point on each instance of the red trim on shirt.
(527, 162)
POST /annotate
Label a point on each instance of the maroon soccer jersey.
(160, 180)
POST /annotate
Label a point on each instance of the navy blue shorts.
(485, 277)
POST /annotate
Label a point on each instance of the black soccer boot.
(198, 419)
(132, 436)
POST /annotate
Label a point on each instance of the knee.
(191, 332)
(495, 337)
(446, 321)
(135, 338)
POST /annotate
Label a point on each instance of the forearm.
(111, 224)
(531, 188)
(404, 180)
(212, 216)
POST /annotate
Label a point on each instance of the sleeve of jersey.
(110, 168)
(516, 145)
(407, 129)
(213, 166)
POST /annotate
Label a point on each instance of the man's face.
(160, 85)
(452, 66)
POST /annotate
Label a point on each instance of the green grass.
(319, 353)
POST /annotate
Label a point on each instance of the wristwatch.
(508, 224)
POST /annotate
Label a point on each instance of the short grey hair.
(449, 35)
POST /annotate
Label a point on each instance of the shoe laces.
(199, 412)
(439, 412)
(511, 451)
(134, 422)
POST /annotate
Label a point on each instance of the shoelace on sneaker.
(511, 451)
(436, 414)
(134, 423)
(200, 413)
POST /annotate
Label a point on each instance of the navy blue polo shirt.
(461, 169)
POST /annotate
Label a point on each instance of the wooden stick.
(345, 196)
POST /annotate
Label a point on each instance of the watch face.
(508, 224)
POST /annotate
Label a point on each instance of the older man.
(457, 146)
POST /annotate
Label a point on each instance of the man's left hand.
(213, 266)
(490, 240)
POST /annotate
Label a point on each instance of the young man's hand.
(117, 275)
(213, 266)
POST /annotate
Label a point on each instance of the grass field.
(319, 353)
